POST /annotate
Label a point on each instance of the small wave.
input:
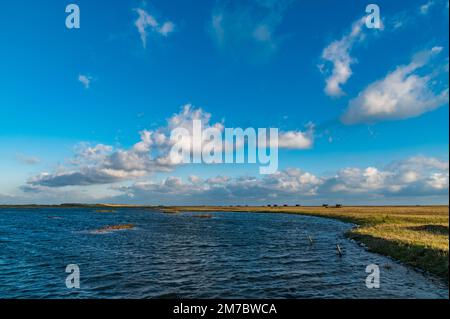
(113, 228)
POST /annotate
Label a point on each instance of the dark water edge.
(239, 255)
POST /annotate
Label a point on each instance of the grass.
(414, 235)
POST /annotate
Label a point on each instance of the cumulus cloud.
(402, 94)
(84, 177)
(418, 179)
(184, 120)
(414, 178)
(85, 80)
(146, 22)
(291, 182)
(297, 139)
(247, 29)
(356, 180)
(337, 55)
(104, 164)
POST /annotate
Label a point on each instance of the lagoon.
(230, 255)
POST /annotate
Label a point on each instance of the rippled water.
(232, 255)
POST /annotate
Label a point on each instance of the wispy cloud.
(25, 159)
(410, 16)
(167, 28)
(425, 8)
(402, 94)
(85, 80)
(247, 29)
(337, 59)
(337, 54)
(146, 22)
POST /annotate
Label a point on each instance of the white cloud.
(146, 21)
(417, 179)
(438, 181)
(291, 182)
(356, 180)
(104, 164)
(167, 28)
(402, 94)
(296, 139)
(420, 163)
(338, 54)
(194, 179)
(85, 80)
(413, 178)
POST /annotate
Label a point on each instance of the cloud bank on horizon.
(414, 177)
(250, 63)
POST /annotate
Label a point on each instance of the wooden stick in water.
(339, 250)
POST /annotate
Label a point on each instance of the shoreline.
(417, 236)
(406, 234)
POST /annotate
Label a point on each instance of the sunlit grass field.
(415, 235)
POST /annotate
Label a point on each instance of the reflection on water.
(230, 255)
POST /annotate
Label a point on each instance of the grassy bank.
(417, 236)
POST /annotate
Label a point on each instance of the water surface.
(231, 255)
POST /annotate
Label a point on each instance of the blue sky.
(254, 63)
